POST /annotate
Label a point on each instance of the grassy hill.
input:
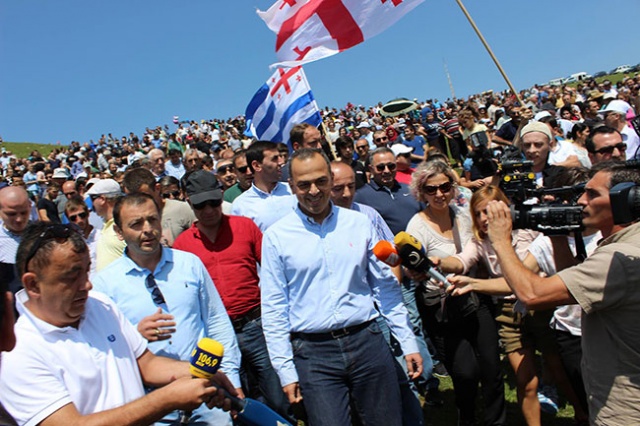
(23, 149)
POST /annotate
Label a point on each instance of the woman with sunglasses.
(465, 335)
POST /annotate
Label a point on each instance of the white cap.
(400, 148)
(363, 125)
(621, 107)
(105, 187)
(60, 173)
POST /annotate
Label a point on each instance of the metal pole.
(486, 45)
(446, 71)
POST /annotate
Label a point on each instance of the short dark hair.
(306, 154)
(167, 181)
(256, 150)
(343, 142)
(75, 202)
(135, 199)
(297, 133)
(600, 130)
(41, 258)
(619, 172)
(238, 154)
(134, 179)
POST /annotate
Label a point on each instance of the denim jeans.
(358, 366)
(256, 359)
(409, 298)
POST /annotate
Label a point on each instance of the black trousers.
(472, 357)
(570, 349)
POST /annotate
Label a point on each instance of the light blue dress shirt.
(322, 277)
(264, 208)
(190, 297)
(383, 232)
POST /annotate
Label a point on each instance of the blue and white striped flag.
(282, 102)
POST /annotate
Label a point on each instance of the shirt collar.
(42, 326)
(310, 220)
(130, 265)
(377, 187)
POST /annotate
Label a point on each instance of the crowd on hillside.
(176, 259)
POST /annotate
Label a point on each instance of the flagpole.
(446, 71)
(486, 45)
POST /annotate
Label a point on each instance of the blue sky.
(73, 70)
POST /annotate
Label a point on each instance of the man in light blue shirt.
(168, 294)
(319, 282)
(268, 199)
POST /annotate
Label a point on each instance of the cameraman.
(603, 285)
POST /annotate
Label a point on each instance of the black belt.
(333, 334)
(239, 323)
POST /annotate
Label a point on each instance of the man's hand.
(499, 217)
(189, 393)
(292, 390)
(156, 327)
(414, 365)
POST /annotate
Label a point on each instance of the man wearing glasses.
(77, 213)
(231, 249)
(384, 193)
(244, 175)
(77, 359)
(104, 194)
(615, 115)
(605, 143)
(167, 294)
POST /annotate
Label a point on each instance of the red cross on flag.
(308, 30)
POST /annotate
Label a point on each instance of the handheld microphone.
(387, 253)
(413, 257)
(205, 361)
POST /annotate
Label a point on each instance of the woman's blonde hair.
(427, 170)
(486, 193)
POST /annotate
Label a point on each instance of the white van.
(573, 78)
(556, 82)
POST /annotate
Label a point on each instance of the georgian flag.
(308, 30)
(282, 102)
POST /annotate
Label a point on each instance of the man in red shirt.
(230, 248)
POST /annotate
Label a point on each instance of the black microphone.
(414, 257)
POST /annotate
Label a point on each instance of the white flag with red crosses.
(308, 30)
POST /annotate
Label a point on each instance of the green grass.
(23, 149)
(447, 414)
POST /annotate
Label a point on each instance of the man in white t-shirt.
(77, 359)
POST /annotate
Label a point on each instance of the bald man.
(15, 209)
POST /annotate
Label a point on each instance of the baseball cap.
(400, 148)
(203, 186)
(105, 187)
(617, 105)
(60, 173)
(536, 126)
(363, 125)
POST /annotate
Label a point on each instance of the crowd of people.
(123, 253)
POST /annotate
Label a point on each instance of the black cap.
(203, 186)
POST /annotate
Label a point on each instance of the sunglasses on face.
(608, 150)
(433, 189)
(242, 169)
(210, 203)
(225, 169)
(174, 194)
(390, 166)
(382, 139)
(74, 217)
(362, 147)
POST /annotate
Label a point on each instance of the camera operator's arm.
(534, 291)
